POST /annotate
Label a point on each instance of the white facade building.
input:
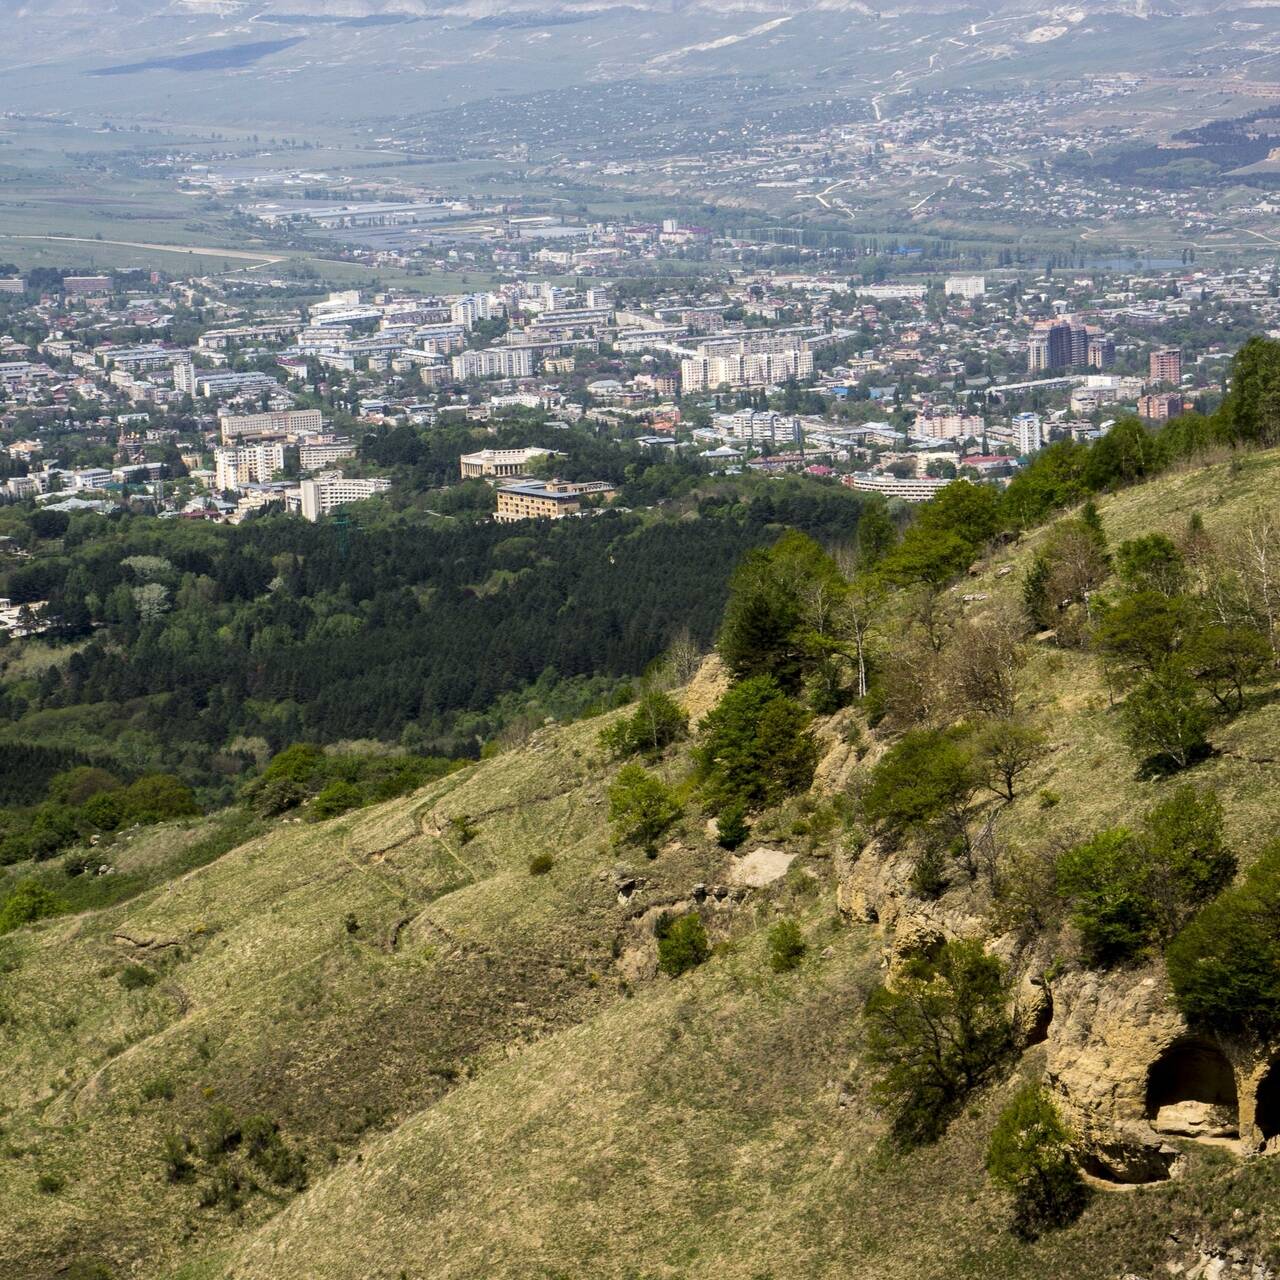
(326, 493)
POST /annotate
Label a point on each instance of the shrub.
(158, 1088)
(731, 824)
(177, 1158)
(937, 1034)
(50, 1184)
(338, 797)
(657, 722)
(682, 944)
(1030, 1156)
(464, 827)
(28, 901)
(1224, 967)
(641, 807)
(268, 1151)
(223, 1187)
(1166, 721)
(221, 1133)
(158, 797)
(1107, 880)
(756, 748)
(786, 946)
(1130, 889)
(540, 864)
(135, 976)
(928, 777)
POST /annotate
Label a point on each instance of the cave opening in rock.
(1191, 1092)
(1267, 1109)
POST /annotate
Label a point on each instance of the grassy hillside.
(484, 1073)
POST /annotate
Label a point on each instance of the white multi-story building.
(499, 463)
(1027, 433)
(224, 384)
(321, 453)
(288, 422)
(475, 306)
(237, 465)
(705, 373)
(966, 286)
(184, 377)
(329, 492)
(761, 426)
(494, 362)
(916, 489)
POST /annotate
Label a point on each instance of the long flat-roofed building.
(549, 499)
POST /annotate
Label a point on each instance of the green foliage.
(731, 824)
(464, 827)
(335, 798)
(1166, 720)
(779, 617)
(540, 864)
(26, 902)
(267, 1150)
(756, 748)
(786, 946)
(133, 977)
(939, 1032)
(303, 772)
(1132, 889)
(946, 536)
(682, 944)
(1224, 967)
(177, 1158)
(1107, 880)
(1030, 1156)
(158, 797)
(656, 723)
(928, 776)
(1151, 563)
(1070, 565)
(50, 1184)
(641, 807)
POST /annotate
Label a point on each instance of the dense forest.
(196, 647)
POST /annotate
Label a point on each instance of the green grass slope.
(486, 1077)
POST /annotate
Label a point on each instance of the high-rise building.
(1166, 365)
(494, 362)
(1027, 433)
(1050, 346)
(1160, 407)
(287, 422)
(1102, 352)
(240, 464)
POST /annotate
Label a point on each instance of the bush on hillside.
(682, 944)
(786, 946)
(641, 808)
(1224, 967)
(1030, 1156)
(1166, 721)
(1130, 890)
(941, 1031)
(28, 901)
(927, 780)
(756, 748)
(656, 723)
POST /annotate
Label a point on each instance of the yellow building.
(548, 500)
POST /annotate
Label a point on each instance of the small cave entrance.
(1191, 1092)
(1266, 1113)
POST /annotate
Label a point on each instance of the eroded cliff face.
(1128, 1073)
